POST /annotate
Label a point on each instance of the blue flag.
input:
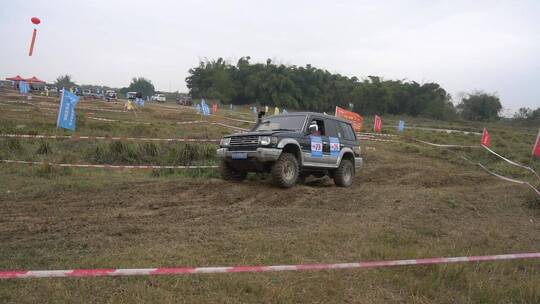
(67, 116)
(24, 87)
(401, 126)
(198, 108)
(255, 110)
(204, 107)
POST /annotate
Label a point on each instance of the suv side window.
(320, 124)
(347, 131)
(332, 129)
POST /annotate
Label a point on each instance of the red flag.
(486, 138)
(536, 149)
(355, 118)
(377, 127)
(214, 108)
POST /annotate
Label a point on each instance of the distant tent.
(34, 79)
(16, 78)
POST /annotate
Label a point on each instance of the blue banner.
(316, 146)
(67, 116)
(205, 109)
(24, 87)
(335, 147)
(401, 126)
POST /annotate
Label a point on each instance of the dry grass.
(405, 203)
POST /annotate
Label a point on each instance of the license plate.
(239, 155)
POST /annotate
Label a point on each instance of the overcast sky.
(463, 45)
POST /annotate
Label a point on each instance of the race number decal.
(316, 146)
(334, 146)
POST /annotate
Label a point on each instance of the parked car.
(292, 147)
(158, 98)
(131, 95)
(184, 100)
(109, 95)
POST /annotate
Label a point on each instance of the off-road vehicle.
(292, 147)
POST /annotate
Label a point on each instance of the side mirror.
(312, 129)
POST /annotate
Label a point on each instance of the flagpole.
(60, 108)
(534, 146)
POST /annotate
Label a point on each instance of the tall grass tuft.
(189, 154)
(149, 150)
(44, 148)
(12, 145)
(122, 152)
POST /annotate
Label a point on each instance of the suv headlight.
(266, 140)
(225, 142)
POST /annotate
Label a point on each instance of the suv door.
(335, 139)
(316, 147)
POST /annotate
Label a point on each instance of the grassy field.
(410, 201)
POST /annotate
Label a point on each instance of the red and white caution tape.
(377, 139)
(122, 121)
(512, 162)
(229, 126)
(376, 134)
(19, 101)
(102, 110)
(179, 123)
(190, 122)
(74, 137)
(31, 163)
(115, 272)
(55, 106)
(235, 119)
(443, 146)
(508, 179)
(444, 130)
(18, 110)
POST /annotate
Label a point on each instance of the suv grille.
(244, 141)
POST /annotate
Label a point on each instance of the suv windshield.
(285, 123)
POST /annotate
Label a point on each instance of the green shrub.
(44, 148)
(12, 144)
(122, 152)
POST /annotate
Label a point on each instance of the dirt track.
(402, 205)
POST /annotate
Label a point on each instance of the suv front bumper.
(261, 154)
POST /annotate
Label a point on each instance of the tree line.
(310, 88)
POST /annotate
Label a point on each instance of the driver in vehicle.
(314, 128)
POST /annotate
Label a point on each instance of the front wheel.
(344, 174)
(229, 173)
(285, 171)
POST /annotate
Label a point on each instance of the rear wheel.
(229, 173)
(285, 171)
(344, 174)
